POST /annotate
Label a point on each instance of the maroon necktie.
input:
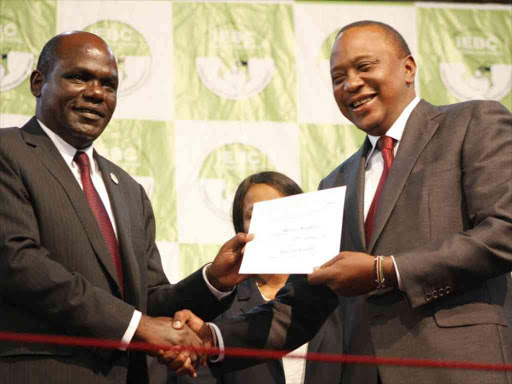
(82, 160)
(385, 145)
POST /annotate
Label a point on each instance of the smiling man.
(426, 250)
(77, 236)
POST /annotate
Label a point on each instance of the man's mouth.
(358, 103)
(90, 113)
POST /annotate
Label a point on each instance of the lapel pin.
(114, 178)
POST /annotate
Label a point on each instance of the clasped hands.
(182, 340)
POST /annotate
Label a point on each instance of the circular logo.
(16, 60)
(240, 64)
(132, 53)
(223, 170)
(474, 66)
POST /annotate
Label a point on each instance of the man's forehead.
(74, 47)
(82, 41)
(362, 41)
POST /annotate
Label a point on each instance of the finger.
(320, 276)
(332, 261)
(249, 237)
(243, 238)
(187, 369)
(192, 321)
(178, 361)
(183, 360)
(183, 317)
(166, 357)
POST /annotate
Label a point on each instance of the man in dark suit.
(77, 236)
(426, 249)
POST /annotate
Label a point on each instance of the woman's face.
(255, 194)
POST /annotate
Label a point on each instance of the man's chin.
(84, 135)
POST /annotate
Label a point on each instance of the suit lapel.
(47, 153)
(120, 210)
(417, 133)
(353, 222)
(249, 296)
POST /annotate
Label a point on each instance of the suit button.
(428, 297)
(448, 289)
(434, 294)
(441, 292)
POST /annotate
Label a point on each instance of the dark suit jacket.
(446, 215)
(56, 273)
(327, 340)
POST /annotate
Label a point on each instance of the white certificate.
(294, 234)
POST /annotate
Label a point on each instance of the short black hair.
(280, 182)
(396, 38)
(49, 55)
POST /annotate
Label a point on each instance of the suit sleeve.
(191, 293)
(482, 249)
(32, 283)
(292, 319)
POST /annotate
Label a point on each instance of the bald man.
(77, 236)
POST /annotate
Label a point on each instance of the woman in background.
(259, 289)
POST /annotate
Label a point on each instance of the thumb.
(187, 317)
(319, 276)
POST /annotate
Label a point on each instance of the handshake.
(183, 340)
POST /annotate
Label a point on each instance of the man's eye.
(111, 86)
(77, 77)
(338, 80)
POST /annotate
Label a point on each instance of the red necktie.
(82, 160)
(385, 145)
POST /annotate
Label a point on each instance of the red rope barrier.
(255, 353)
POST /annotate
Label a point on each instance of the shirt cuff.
(398, 279)
(130, 331)
(218, 294)
(220, 345)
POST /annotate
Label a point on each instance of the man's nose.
(94, 91)
(352, 83)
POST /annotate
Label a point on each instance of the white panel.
(204, 204)
(151, 97)
(314, 24)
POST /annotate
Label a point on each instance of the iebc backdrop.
(212, 91)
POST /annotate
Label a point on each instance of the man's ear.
(410, 70)
(36, 82)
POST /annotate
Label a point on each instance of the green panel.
(145, 149)
(323, 148)
(194, 256)
(465, 54)
(25, 26)
(241, 65)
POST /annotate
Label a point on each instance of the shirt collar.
(397, 129)
(66, 150)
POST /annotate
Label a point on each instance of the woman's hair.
(283, 184)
